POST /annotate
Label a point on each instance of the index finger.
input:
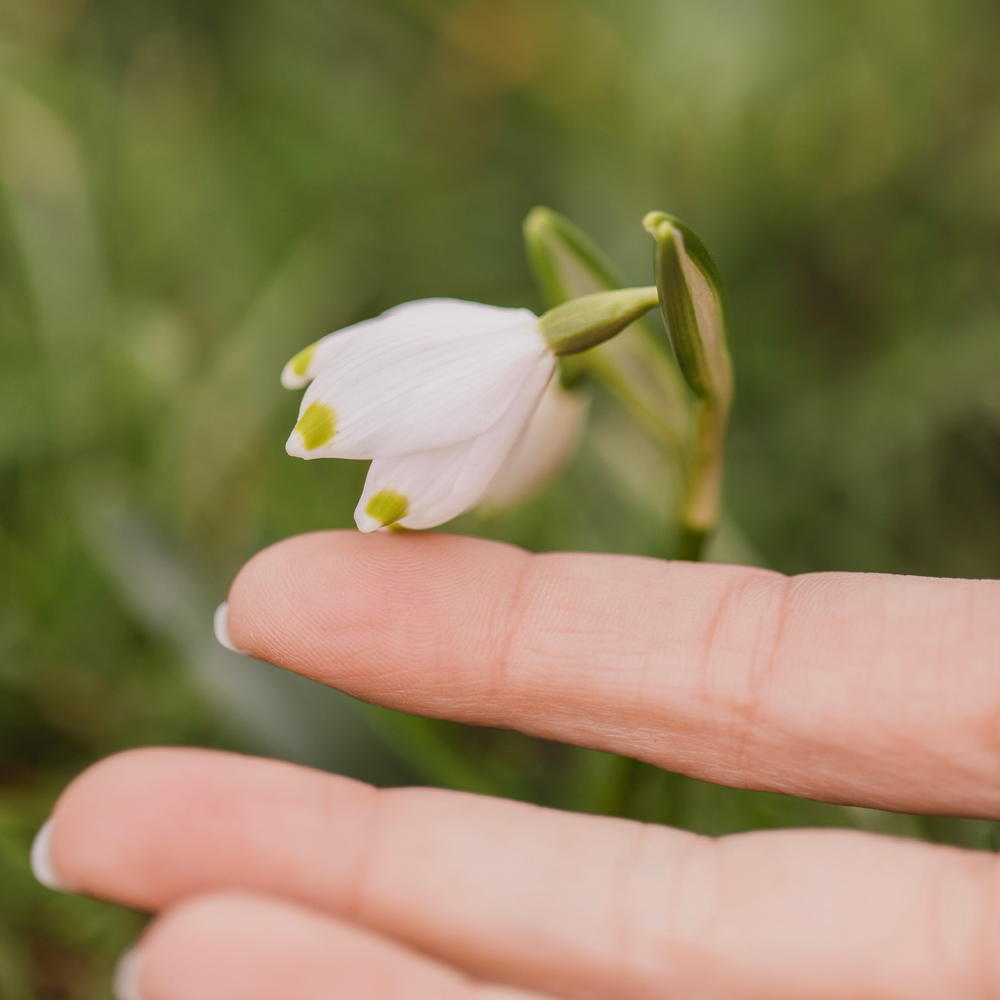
(876, 690)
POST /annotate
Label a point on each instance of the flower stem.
(621, 796)
(700, 510)
(691, 544)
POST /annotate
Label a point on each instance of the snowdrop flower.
(437, 393)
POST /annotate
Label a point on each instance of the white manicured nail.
(222, 629)
(126, 981)
(41, 860)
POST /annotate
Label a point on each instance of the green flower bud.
(691, 300)
(565, 262)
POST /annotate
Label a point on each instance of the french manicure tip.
(41, 859)
(126, 981)
(221, 624)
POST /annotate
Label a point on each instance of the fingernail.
(126, 982)
(41, 860)
(222, 629)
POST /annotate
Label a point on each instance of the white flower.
(546, 445)
(437, 393)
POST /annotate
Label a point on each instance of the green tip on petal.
(317, 425)
(388, 507)
(300, 363)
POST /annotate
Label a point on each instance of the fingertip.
(101, 821)
(221, 625)
(41, 860)
(372, 613)
(125, 985)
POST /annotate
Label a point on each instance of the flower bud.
(565, 262)
(690, 290)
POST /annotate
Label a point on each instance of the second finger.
(576, 906)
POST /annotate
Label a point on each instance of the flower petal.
(547, 444)
(424, 375)
(427, 488)
(311, 360)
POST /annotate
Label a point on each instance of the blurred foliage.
(194, 189)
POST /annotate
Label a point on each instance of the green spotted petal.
(424, 375)
(440, 483)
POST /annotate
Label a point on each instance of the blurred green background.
(191, 190)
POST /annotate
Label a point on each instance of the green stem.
(619, 801)
(691, 544)
(700, 510)
(607, 370)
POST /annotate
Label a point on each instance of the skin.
(272, 880)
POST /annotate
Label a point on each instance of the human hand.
(271, 880)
